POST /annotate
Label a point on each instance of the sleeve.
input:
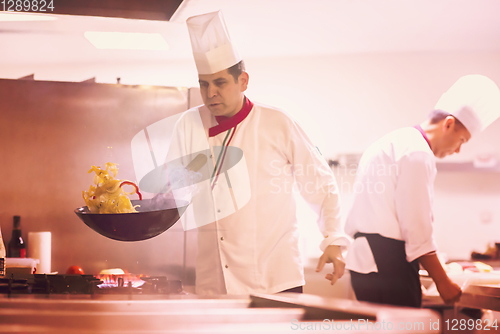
(317, 186)
(413, 201)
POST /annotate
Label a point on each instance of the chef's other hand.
(449, 291)
(332, 254)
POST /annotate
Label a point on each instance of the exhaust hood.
(161, 10)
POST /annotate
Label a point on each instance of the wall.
(371, 93)
(346, 102)
(357, 98)
(52, 133)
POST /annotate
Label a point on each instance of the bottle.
(2, 256)
(16, 247)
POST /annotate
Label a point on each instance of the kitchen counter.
(258, 313)
(478, 306)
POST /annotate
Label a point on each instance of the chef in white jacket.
(244, 207)
(391, 217)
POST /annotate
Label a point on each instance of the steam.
(181, 184)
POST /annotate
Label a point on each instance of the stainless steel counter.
(476, 312)
(283, 313)
(482, 296)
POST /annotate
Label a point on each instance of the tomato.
(74, 270)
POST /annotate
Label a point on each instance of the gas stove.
(90, 285)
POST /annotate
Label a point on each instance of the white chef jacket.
(393, 197)
(254, 247)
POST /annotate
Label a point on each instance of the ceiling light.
(126, 40)
(25, 17)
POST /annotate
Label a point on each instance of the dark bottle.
(16, 247)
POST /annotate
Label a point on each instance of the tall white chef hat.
(474, 100)
(212, 47)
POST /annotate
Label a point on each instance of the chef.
(391, 217)
(245, 211)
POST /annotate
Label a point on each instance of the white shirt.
(251, 243)
(393, 197)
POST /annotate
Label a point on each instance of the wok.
(137, 226)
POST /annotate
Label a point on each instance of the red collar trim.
(228, 123)
(419, 128)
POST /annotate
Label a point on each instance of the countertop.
(258, 313)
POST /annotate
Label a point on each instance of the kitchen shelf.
(465, 167)
(441, 166)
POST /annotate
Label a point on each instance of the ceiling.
(269, 28)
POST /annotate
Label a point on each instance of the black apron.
(397, 281)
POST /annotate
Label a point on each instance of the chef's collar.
(228, 123)
(419, 128)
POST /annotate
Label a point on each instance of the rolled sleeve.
(413, 200)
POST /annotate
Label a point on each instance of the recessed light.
(126, 40)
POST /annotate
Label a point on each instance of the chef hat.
(474, 100)
(212, 47)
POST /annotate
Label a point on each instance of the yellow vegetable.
(106, 194)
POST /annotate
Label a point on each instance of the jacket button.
(222, 238)
(218, 211)
(226, 266)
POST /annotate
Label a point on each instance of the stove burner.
(68, 284)
(149, 285)
(160, 284)
(88, 284)
(11, 285)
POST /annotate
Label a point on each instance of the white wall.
(348, 101)
(355, 99)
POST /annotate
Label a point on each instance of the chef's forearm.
(329, 222)
(431, 263)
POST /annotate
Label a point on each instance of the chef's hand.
(332, 254)
(449, 291)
